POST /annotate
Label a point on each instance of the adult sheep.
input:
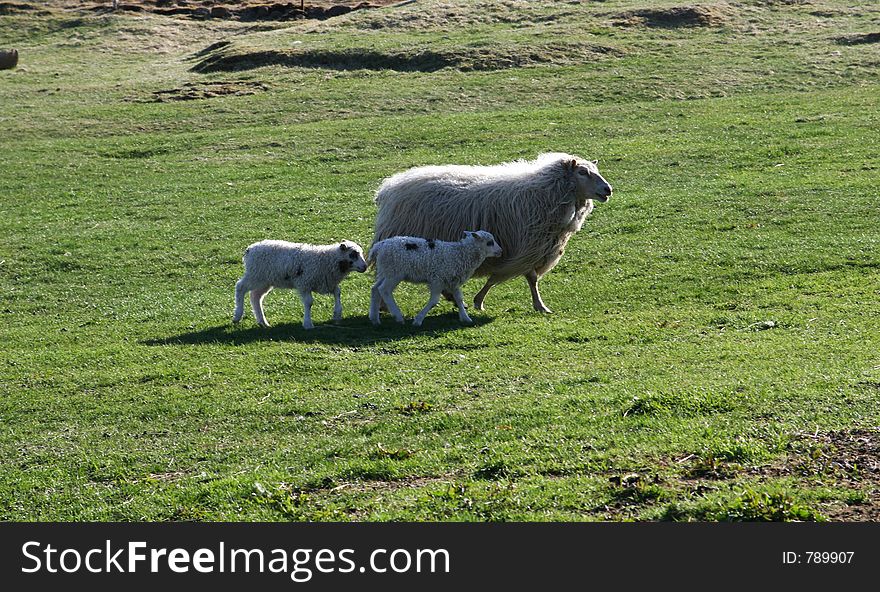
(531, 207)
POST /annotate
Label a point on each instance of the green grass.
(744, 157)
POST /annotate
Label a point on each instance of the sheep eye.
(352, 256)
(490, 243)
(585, 172)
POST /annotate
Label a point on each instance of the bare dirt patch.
(859, 39)
(849, 458)
(674, 17)
(853, 456)
(466, 59)
(19, 8)
(208, 90)
(241, 10)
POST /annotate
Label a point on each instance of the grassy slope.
(125, 393)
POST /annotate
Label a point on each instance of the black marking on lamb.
(431, 243)
(344, 265)
(299, 272)
(411, 246)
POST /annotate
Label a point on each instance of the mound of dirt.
(674, 17)
(859, 39)
(242, 10)
(469, 59)
(17, 7)
(208, 90)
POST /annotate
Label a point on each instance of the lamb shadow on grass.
(355, 331)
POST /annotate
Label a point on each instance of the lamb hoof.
(478, 305)
(264, 325)
(544, 310)
(417, 323)
(467, 321)
(308, 327)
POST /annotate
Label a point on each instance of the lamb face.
(486, 241)
(351, 257)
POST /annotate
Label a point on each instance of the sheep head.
(588, 183)
(351, 256)
(485, 240)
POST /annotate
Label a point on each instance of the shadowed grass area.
(715, 317)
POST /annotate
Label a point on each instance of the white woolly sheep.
(532, 208)
(305, 268)
(444, 266)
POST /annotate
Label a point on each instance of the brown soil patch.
(850, 458)
(859, 39)
(208, 90)
(674, 17)
(241, 10)
(18, 8)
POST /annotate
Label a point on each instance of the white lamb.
(305, 268)
(444, 266)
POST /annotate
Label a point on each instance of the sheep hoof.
(417, 323)
(264, 325)
(543, 310)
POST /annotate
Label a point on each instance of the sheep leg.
(432, 302)
(481, 295)
(257, 296)
(337, 305)
(375, 302)
(385, 290)
(462, 311)
(449, 297)
(537, 303)
(241, 289)
(307, 300)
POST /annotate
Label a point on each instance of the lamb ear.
(343, 247)
(595, 162)
(571, 164)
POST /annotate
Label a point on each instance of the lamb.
(303, 267)
(444, 266)
(532, 207)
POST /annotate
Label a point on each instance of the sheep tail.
(371, 255)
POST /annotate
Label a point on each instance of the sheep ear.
(343, 247)
(475, 235)
(595, 162)
(571, 164)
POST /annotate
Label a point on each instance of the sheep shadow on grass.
(355, 331)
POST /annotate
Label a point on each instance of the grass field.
(713, 354)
